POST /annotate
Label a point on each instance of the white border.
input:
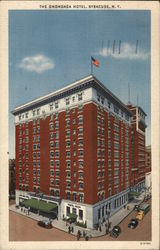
(155, 135)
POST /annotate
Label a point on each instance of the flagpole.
(91, 67)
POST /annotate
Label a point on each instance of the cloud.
(37, 63)
(127, 51)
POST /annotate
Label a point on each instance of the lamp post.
(41, 196)
(108, 224)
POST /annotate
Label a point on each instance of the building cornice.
(82, 84)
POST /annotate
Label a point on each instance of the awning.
(40, 205)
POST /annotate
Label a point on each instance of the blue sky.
(49, 49)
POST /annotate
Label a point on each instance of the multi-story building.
(137, 147)
(148, 165)
(148, 159)
(74, 146)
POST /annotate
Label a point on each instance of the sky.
(49, 49)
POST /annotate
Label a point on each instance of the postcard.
(79, 125)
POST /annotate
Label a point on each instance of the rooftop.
(78, 85)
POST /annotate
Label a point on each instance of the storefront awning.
(40, 205)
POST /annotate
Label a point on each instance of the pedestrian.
(86, 238)
(69, 229)
(79, 233)
(78, 236)
(21, 209)
(72, 229)
(84, 234)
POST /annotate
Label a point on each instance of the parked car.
(133, 223)
(115, 231)
(140, 215)
(136, 207)
(45, 223)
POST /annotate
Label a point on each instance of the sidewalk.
(115, 219)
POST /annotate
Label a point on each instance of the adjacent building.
(75, 146)
(148, 165)
(137, 147)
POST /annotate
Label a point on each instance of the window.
(57, 144)
(68, 174)
(81, 198)
(51, 126)
(67, 143)
(67, 111)
(80, 152)
(74, 199)
(80, 97)
(38, 111)
(68, 153)
(68, 197)
(81, 175)
(57, 164)
(51, 136)
(51, 106)
(67, 101)
(19, 117)
(80, 142)
(51, 172)
(57, 192)
(51, 163)
(56, 105)
(56, 124)
(51, 144)
(68, 133)
(80, 185)
(57, 134)
(80, 214)
(68, 164)
(68, 184)
(51, 154)
(67, 210)
(80, 108)
(57, 182)
(81, 164)
(116, 154)
(80, 130)
(57, 153)
(116, 110)
(80, 119)
(26, 114)
(51, 117)
(67, 122)
(34, 112)
(73, 98)
(52, 192)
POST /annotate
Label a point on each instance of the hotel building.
(74, 145)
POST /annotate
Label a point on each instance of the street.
(22, 228)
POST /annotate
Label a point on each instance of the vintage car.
(45, 223)
(115, 231)
(133, 223)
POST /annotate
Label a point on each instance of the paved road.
(22, 228)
